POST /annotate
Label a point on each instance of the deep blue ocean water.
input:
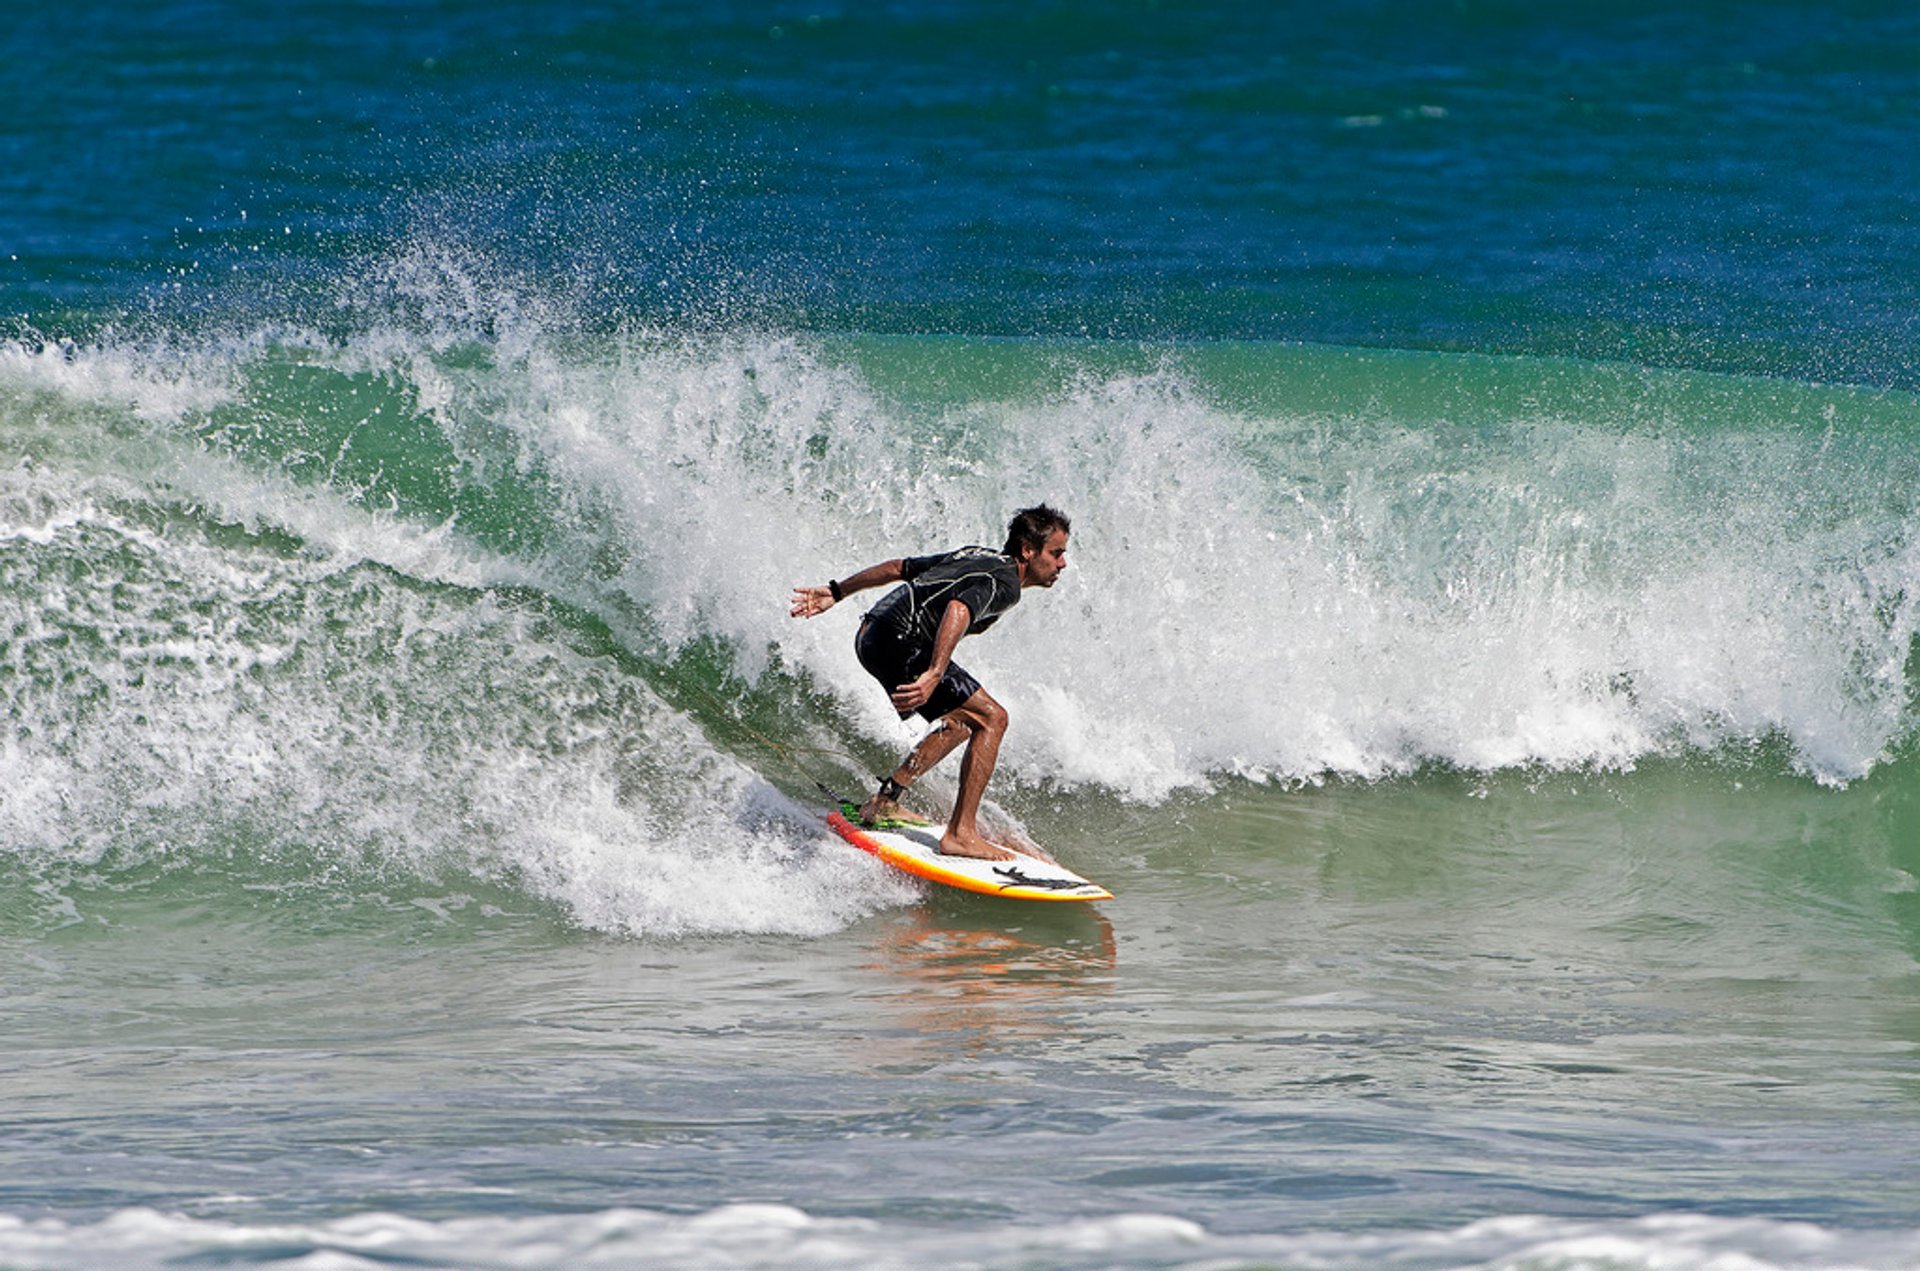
(1712, 186)
(1485, 673)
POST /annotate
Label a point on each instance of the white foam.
(156, 383)
(369, 700)
(780, 1236)
(1269, 596)
(1259, 597)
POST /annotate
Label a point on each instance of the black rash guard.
(985, 581)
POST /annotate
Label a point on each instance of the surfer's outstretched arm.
(809, 601)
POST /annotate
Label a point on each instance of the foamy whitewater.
(1484, 672)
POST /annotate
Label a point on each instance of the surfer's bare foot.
(977, 848)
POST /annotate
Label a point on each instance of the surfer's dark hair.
(1031, 527)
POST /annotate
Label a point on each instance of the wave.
(743, 1236)
(208, 656)
(467, 585)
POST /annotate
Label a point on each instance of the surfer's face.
(1044, 566)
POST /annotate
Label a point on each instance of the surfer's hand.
(808, 601)
(914, 694)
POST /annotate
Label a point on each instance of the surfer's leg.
(934, 747)
(985, 721)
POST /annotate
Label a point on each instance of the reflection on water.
(971, 978)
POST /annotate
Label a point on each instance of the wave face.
(476, 581)
(271, 600)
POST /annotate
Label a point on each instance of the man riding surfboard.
(906, 642)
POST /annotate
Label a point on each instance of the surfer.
(906, 642)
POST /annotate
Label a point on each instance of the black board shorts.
(894, 660)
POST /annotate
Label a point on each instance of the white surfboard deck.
(915, 849)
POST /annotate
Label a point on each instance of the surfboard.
(915, 849)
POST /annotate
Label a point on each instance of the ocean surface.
(1487, 671)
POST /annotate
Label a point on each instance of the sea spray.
(1586, 578)
(200, 652)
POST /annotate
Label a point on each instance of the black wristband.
(833, 589)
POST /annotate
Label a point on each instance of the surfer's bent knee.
(981, 714)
